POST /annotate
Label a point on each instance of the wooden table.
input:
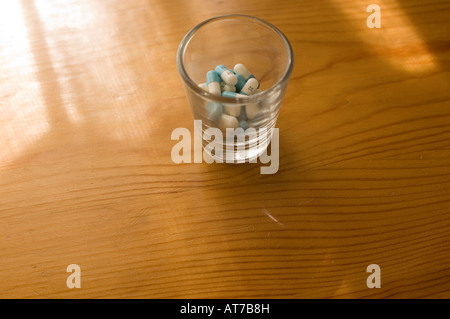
(90, 94)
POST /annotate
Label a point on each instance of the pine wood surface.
(89, 96)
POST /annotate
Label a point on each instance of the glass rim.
(221, 99)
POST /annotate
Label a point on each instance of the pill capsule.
(213, 82)
(233, 109)
(226, 75)
(227, 87)
(242, 70)
(240, 82)
(203, 86)
(250, 87)
(233, 94)
(214, 110)
(251, 110)
(228, 121)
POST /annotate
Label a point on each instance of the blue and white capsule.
(240, 82)
(227, 121)
(203, 86)
(250, 87)
(232, 109)
(252, 111)
(227, 87)
(242, 70)
(214, 111)
(213, 82)
(233, 95)
(226, 74)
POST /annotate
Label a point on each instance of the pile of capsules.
(236, 83)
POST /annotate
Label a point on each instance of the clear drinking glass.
(229, 40)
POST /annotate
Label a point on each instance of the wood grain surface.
(90, 94)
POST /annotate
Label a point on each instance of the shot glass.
(267, 54)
